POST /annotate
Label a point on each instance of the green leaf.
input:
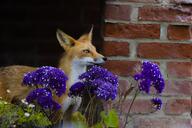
(79, 125)
(13, 114)
(98, 125)
(78, 117)
(8, 114)
(79, 120)
(110, 119)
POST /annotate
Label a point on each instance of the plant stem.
(124, 97)
(88, 105)
(129, 110)
(90, 111)
(94, 113)
(191, 108)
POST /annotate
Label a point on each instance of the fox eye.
(86, 51)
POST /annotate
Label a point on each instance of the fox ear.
(64, 40)
(87, 37)
(90, 34)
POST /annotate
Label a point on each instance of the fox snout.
(103, 58)
(100, 60)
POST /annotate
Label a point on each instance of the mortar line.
(136, 4)
(163, 31)
(163, 68)
(134, 14)
(145, 22)
(133, 49)
(146, 40)
(151, 59)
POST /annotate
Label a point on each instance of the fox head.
(81, 50)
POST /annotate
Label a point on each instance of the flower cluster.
(43, 96)
(77, 89)
(47, 77)
(98, 81)
(50, 79)
(151, 76)
(157, 102)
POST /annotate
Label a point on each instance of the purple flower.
(43, 97)
(145, 85)
(97, 81)
(77, 89)
(105, 90)
(97, 72)
(30, 79)
(150, 76)
(48, 77)
(157, 103)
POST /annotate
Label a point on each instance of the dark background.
(27, 28)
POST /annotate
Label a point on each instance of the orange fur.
(11, 76)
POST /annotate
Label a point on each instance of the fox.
(78, 55)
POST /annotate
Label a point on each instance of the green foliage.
(11, 115)
(77, 116)
(8, 114)
(79, 120)
(31, 117)
(110, 119)
(98, 125)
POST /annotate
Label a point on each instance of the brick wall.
(134, 30)
(160, 31)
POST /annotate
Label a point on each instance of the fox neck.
(72, 68)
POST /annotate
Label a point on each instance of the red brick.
(178, 88)
(117, 12)
(164, 50)
(179, 69)
(121, 67)
(132, 30)
(149, 13)
(141, 1)
(139, 106)
(179, 32)
(124, 86)
(178, 106)
(163, 122)
(116, 49)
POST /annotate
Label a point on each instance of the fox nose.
(105, 58)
